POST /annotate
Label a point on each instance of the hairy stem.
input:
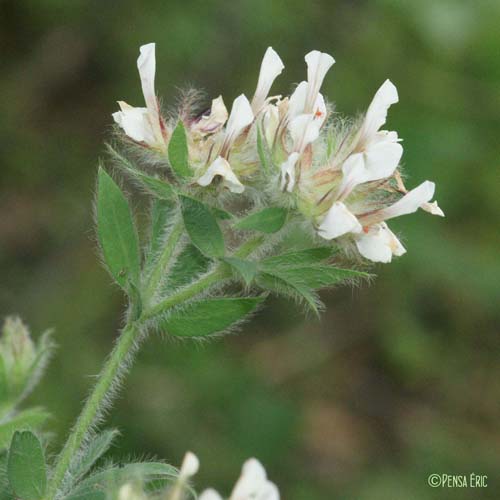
(114, 366)
(163, 260)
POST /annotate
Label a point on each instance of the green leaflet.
(116, 231)
(95, 486)
(155, 186)
(98, 445)
(268, 220)
(26, 466)
(32, 419)
(161, 212)
(244, 268)
(189, 264)
(205, 317)
(299, 258)
(202, 227)
(178, 153)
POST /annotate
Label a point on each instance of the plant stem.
(116, 363)
(164, 259)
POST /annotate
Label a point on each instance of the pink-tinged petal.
(221, 167)
(379, 243)
(135, 123)
(241, 117)
(209, 124)
(271, 67)
(337, 222)
(318, 64)
(146, 64)
(288, 172)
(411, 201)
(210, 494)
(376, 115)
(433, 208)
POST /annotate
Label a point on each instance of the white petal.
(135, 123)
(221, 167)
(253, 484)
(382, 159)
(270, 68)
(288, 172)
(338, 221)
(411, 201)
(241, 116)
(297, 102)
(190, 465)
(211, 123)
(210, 494)
(304, 129)
(318, 63)
(146, 64)
(433, 208)
(379, 243)
(270, 122)
(376, 115)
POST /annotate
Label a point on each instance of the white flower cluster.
(251, 485)
(344, 180)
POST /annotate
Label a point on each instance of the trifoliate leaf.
(268, 220)
(205, 317)
(178, 153)
(202, 227)
(244, 268)
(26, 468)
(116, 230)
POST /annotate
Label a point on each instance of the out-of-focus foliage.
(400, 379)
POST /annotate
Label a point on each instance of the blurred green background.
(401, 378)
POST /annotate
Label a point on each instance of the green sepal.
(261, 151)
(26, 467)
(33, 418)
(208, 316)
(269, 220)
(202, 227)
(116, 230)
(178, 153)
(299, 258)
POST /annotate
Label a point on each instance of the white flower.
(190, 466)
(338, 221)
(143, 124)
(241, 117)
(271, 67)
(220, 167)
(378, 243)
(270, 123)
(214, 121)
(288, 172)
(130, 491)
(252, 485)
(433, 208)
(304, 129)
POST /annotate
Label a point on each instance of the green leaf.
(93, 451)
(244, 268)
(26, 466)
(95, 487)
(294, 290)
(202, 227)
(31, 419)
(261, 150)
(268, 220)
(221, 214)
(189, 264)
(161, 212)
(178, 153)
(208, 316)
(298, 258)
(116, 231)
